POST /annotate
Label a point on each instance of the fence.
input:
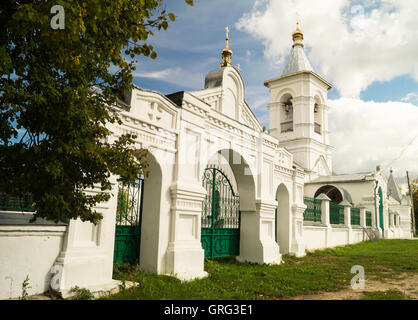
(11, 203)
(368, 219)
(313, 210)
(336, 213)
(355, 216)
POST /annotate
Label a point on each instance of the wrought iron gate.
(128, 222)
(220, 216)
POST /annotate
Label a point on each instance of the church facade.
(219, 184)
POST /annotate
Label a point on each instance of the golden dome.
(297, 36)
(226, 52)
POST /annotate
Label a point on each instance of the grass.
(384, 295)
(324, 270)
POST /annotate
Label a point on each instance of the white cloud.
(161, 74)
(178, 76)
(411, 97)
(366, 134)
(351, 44)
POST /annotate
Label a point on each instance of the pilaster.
(325, 200)
(185, 256)
(87, 256)
(297, 247)
(347, 220)
(257, 242)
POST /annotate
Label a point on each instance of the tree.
(58, 94)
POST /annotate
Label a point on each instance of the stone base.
(298, 250)
(186, 261)
(112, 287)
(264, 252)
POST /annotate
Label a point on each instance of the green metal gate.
(380, 208)
(128, 222)
(220, 216)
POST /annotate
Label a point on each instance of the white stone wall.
(27, 250)
(316, 236)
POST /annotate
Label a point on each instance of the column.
(325, 200)
(257, 243)
(185, 256)
(86, 260)
(347, 220)
(298, 246)
(362, 216)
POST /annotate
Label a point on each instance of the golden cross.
(227, 32)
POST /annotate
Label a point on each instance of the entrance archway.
(139, 206)
(128, 222)
(220, 215)
(225, 225)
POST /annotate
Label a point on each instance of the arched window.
(317, 116)
(331, 192)
(286, 113)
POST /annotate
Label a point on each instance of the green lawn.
(384, 295)
(325, 270)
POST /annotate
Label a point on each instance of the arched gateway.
(220, 216)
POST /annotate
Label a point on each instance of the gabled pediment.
(154, 108)
(321, 167)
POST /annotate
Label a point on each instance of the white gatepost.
(257, 234)
(269, 250)
(298, 246)
(347, 220)
(185, 255)
(325, 200)
(86, 259)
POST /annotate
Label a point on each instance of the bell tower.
(298, 111)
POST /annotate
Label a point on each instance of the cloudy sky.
(367, 49)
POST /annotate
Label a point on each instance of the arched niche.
(318, 115)
(283, 216)
(286, 113)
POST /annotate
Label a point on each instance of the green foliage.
(58, 89)
(25, 287)
(81, 294)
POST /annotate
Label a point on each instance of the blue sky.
(367, 49)
(194, 42)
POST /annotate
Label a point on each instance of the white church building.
(218, 185)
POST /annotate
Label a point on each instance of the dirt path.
(406, 283)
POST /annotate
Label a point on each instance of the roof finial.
(226, 52)
(391, 170)
(297, 34)
(227, 36)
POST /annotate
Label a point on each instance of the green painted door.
(380, 208)
(128, 223)
(220, 216)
